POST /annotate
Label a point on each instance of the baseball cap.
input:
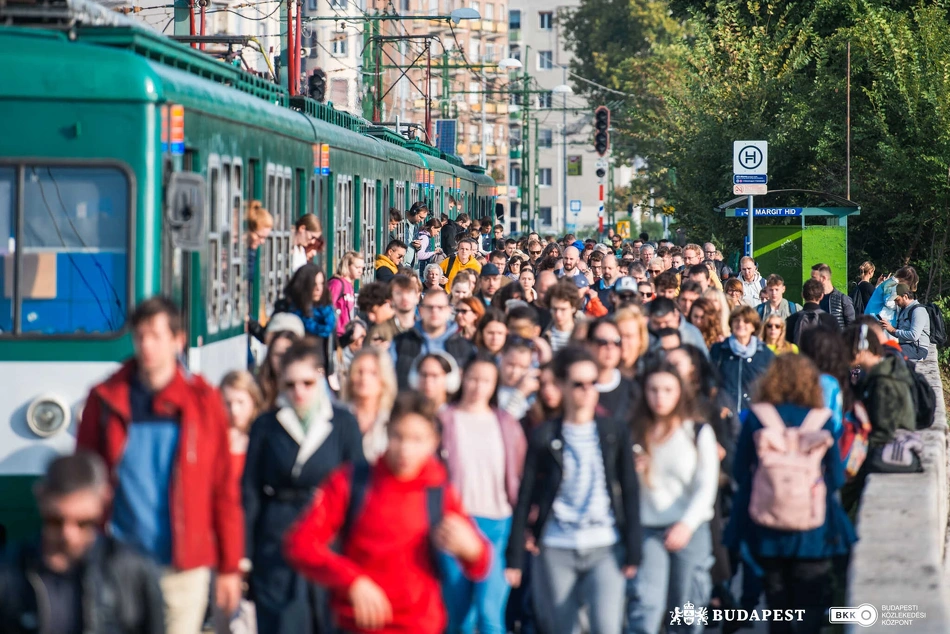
(285, 322)
(489, 269)
(625, 285)
(581, 281)
(902, 289)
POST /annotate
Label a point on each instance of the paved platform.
(902, 525)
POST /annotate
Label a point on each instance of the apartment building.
(564, 187)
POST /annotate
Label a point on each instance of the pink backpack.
(788, 488)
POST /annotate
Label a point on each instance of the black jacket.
(408, 346)
(839, 306)
(824, 321)
(738, 375)
(542, 479)
(450, 238)
(120, 592)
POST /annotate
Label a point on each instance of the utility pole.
(482, 159)
(564, 203)
(535, 185)
(527, 183)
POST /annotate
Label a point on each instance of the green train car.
(126, 161)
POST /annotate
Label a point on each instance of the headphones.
(453, 380)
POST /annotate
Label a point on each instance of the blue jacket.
(321, 322)
(837, 534)
(737, 374)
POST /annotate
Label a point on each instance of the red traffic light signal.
(601, 129)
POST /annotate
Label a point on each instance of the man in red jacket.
(164, 437)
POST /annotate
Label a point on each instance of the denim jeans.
(666, 580)
(566, 580)
(478, 605)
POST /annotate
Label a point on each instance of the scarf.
(744, 352)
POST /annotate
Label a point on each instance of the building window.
(545, 138)
(514, 19)
(337, 4)
(339, 48)
(312, 5)
(489, 11)
(404, 5)
(544, 213)
(476, 6)
(473, 88)
(546, 20)
(340, 92)
(515, 175)
(433, 7)
(544, 177)
(544, 100)
(545, 60)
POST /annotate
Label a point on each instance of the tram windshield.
(64, 241)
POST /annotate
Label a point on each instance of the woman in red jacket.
(386, 579)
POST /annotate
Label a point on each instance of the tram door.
(176, 262)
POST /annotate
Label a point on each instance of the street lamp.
(465, 13)
(564, 90)
(510, 63)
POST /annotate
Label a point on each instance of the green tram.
(126, 160)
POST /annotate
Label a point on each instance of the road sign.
(571, 227)
(576, 206)
(746, 247)
(750, 157)
(750, 179)
(623, 229)
(750, 190)
(770, 212)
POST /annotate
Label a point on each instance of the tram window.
(238, 257)
(71, 262)
(7, 244)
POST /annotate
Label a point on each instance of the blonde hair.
(719, 298)
(781, 346)
(343, 268)
(258, 217)
(866, 268)
(633, 313)
(244, 381)
(387, 378)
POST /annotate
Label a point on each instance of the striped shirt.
(582, 516)
(558, 338)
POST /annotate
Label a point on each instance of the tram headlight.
(47, 415)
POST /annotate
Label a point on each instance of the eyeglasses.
(603, 343)
(535, 252)
(463, 311)
(304, 383)
(773, 326)
(734, 292)
(646, 294)
(583, 385)
(710, 253)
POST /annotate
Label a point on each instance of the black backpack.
(925, 399)
(858, 300)
(808, 320)
(359, 486)
(938, 328)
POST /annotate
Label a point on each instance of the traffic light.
(601, 129)
(317, 85)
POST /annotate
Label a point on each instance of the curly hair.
(793, 379)
(711, 322)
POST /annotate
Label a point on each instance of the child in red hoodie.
(385, 581)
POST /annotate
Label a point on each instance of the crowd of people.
(493, 436)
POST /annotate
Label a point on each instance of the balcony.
(501, 27)
(514, 35)
(488, 25)
(490, 150)
(476, 148)
(461, 149)
(515, 152)
(477, 107)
